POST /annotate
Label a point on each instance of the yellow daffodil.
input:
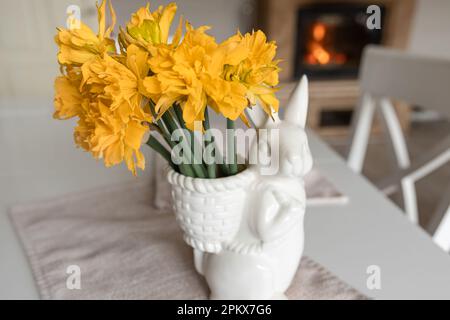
(111, 93)
(68, 98)
(104, 133)
(250, 62)
(77, 46)
(120, 84)
(178, 75)
(86, 126)
(191, 75)
(226, 97)
(149, 29)
(117, 115)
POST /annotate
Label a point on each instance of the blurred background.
(320, 38)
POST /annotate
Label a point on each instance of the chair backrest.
(415, 79)
(387, 74)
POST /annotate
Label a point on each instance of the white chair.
(386, 74)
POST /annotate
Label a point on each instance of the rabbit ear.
(297, 108)
(257, 115)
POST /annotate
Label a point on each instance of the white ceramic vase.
(247, 229)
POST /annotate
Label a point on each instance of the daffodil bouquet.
(149, 81)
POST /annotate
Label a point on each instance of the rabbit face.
(295, 156)
(289, 152)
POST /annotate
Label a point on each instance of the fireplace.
(330, 39)
(324, 39)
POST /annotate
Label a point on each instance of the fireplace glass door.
(331, 38)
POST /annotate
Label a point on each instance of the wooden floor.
(421, 137)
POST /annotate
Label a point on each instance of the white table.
(38, 160)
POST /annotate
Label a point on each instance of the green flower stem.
(184, 168)
(172, 126)
(190, 137)
(164, 130)
(179, 114)
(210, 167)
(158, 147)
(231, 147)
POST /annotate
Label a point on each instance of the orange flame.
(319, 31)
(317, 54)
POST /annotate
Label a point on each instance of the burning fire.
(317, 54)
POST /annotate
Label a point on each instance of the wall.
(431, 28)
(27, 49)
(28, 61)
(224, 16)
(28, 54)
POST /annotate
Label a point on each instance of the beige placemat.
(127, 249)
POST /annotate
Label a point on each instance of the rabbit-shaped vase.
(256, 254)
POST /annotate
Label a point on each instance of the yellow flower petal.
(178, 33)
(137, 61)
(101, 14)
(77, 46)
(166, 20)
(133, 134)
(68, 98)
